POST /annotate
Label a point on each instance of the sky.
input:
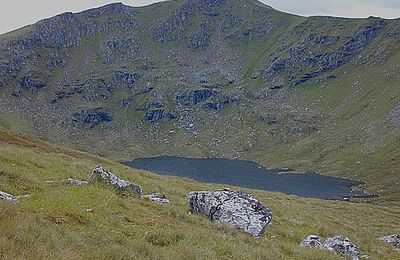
(18, 13)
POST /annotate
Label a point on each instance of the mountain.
(219, 78)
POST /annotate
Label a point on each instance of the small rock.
(392, 239)
(89, 210)
(312, 241)
(51, 182)
(237, 209)
(342, 246)
(157, 197)
(71, 181)
(9, 197)
(23, 196)
(118, 183)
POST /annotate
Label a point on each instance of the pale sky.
(17, 13)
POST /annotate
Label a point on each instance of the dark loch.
(251, 175)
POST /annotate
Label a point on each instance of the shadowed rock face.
(194, 97)
(159, 115)
(92, 117)
(237, 209)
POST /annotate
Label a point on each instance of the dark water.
(251, 175)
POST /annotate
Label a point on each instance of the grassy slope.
(52, 221)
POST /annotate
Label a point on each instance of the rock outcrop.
(193, 97)
(118, 183)
(339, 245)
(342, 246)
(157, 197)
(392, 239)
(312, 241)
(159, 114)
(237, 209)
(9, 197)
(92, 117)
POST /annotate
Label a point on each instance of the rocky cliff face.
(205, 77)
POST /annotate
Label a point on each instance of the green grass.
(354, 139)
(52, 222)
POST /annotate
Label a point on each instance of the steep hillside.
(53, 221)
(212, 78)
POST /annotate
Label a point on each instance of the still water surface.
(251, 175)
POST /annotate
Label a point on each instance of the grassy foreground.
(52, 222)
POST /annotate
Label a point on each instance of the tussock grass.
(52, 223)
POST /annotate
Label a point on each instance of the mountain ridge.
(210, 78)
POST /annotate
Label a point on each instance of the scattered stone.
(23, 196)
(342, 246)
(392, 239)
(237, 209)
(100, 173)
(157, 197)
(51, 182)
(9, 197)
(339, 245)
(89, 210)
(312, 241)
(71, 181)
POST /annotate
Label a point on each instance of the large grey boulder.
(342, 246)
(392, 239)
(120, 184)
(312, 241)
(9, 197)
(237, 209)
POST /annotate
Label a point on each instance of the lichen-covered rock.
(120, 184)
(312, 241)
(9, 197)
(342, 246)
(392, 239)
(157, 197)
(237, 209)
